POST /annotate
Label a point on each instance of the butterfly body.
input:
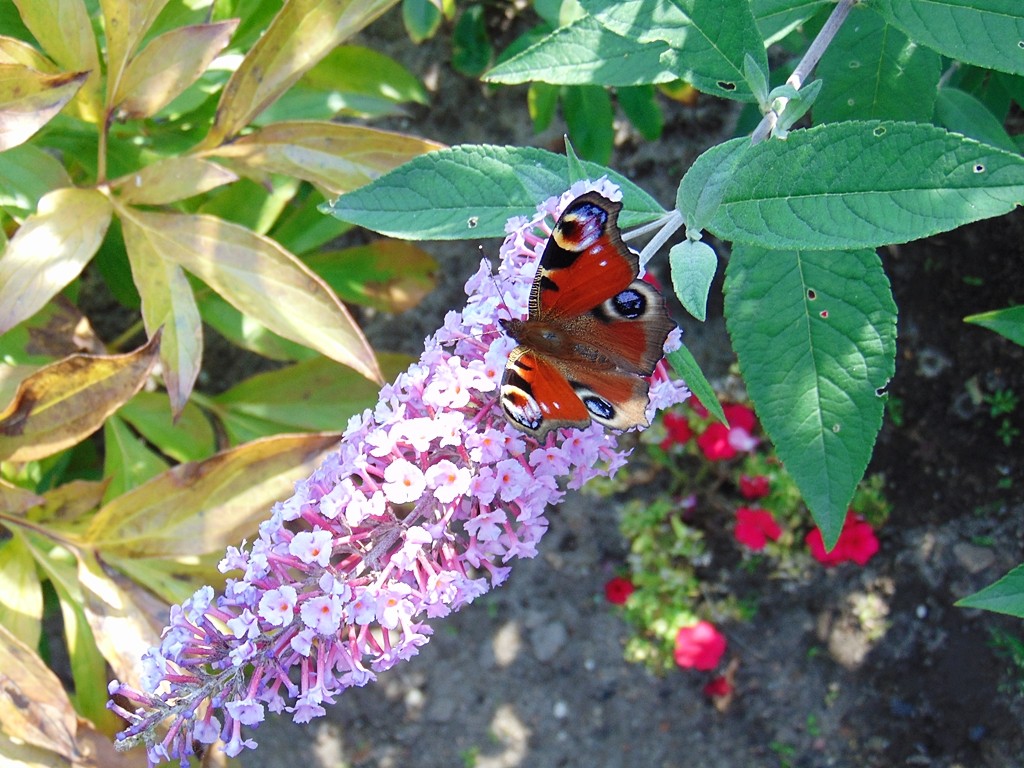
(592, 333)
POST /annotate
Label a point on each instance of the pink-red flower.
(700, 646)
(618, 590)
(718, 687)
(753, 488)
(719, 442)
(857, 543)
(755, 527)
(677, 428)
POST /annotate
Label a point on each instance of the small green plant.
(1002, 405)
(1009, 647)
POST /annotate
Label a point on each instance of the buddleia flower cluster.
(429, 498)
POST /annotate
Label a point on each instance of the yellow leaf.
(15, 51)
(171, 180)
(15, 501)
(33, 705)
(259, 278)
(49, 251)
(126, 22)
(64, 30)
(21, 593)
(29, 100)
(65, 402)
(65, 505)
(125, 620)
(302, 33)
(203, 506)
(337, 158)
(168, 65)
(168, 303)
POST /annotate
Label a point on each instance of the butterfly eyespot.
(599, 407)
(630, 304)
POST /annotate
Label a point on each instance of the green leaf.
(701, 189)
(1004, 596)
(245, 332)
(871, 70)
(693, 268)
(586, 53)
(1008, 322)
(189, 438)
(354, 72)
(422, 18)
(708, 38)
(961, 112)
(777, 18)
(315, 395)
(588, 116)
(21, 594)
(469, 192)
(127, 462)
(388, 275)
(541, 101)
(27, 173)
(685, 365)
(864, 184)
(641, 107)
(472, 51)
(815, 333)
(983, 32)
(302, 227)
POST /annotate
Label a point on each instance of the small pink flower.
(857, 543)
(448, 480)
(403, 482)
(618, 590)
(753, 488)
(312, 547)
(277, 606)
(699, 647)
(718, 687)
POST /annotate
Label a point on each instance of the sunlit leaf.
(260, 278)
(338, 158)
(201, 507)
(126, 22)
(49, 251)
(64, 506)
(15, 51)
(357, 73)
(167, 303)
(33, 705)
(168, 65)
(171, 180)
(15, 500)
(64, 30)
(21, 594)
(26, 174)
(173, 581)
(63, 403)
(29, 100)
(301, 35)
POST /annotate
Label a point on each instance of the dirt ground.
(855, 668)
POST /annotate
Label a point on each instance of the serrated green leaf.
(693, 266)
(708, 39)
(1007, 322)
(586, 53)
(469, 192)
(588, 116)
(701, 189)
(983, 32)
(815, 333)
(959, 111)
(1003, 596)
(864, 184)
(871, 70)
(683, 363)
(641, 106)
(777, 18)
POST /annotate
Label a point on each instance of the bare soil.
(855, 668)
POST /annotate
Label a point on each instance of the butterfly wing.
(541, 393)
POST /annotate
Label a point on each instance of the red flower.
(719, 442)
(698, 407)
(678, 429)
(700, 646)
(719, 686)
(617, 590)
(754, 487)
(857, 542)
(754, 527)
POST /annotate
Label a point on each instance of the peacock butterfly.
(593, 331)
